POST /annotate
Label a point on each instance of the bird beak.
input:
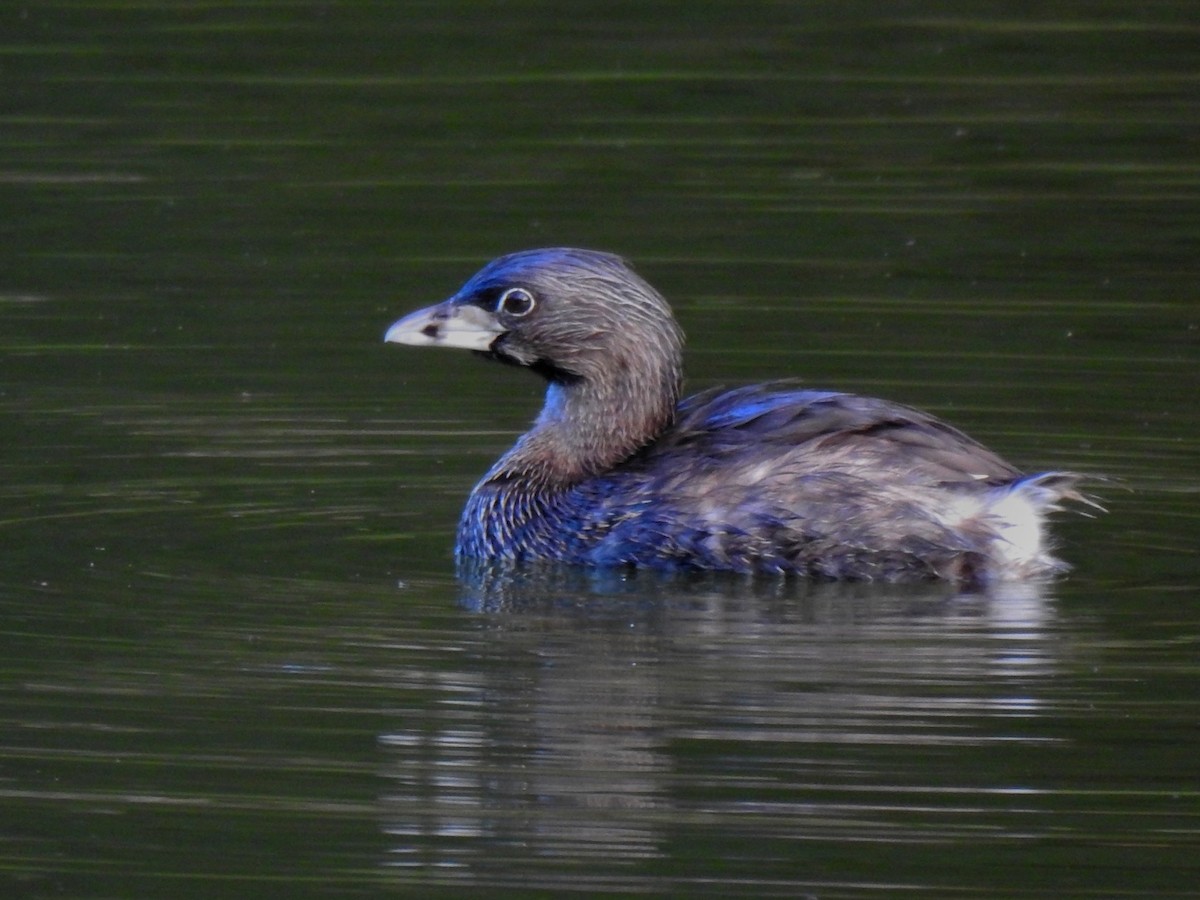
(448, 324)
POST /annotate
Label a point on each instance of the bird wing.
(809, 431)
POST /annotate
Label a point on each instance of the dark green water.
(235, 659)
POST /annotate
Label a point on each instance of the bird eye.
(516, 302)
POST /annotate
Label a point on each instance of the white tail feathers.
(1016, 515)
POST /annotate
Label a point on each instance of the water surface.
(236, 655)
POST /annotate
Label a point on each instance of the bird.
(764, 479)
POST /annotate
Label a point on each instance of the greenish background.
(235, 659)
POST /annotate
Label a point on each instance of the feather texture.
(768, 478)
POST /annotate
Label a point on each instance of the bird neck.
(591, 424)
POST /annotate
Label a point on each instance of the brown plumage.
(767, 478)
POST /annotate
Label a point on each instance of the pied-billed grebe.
(769, 478)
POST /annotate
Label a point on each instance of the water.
(236, 657)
